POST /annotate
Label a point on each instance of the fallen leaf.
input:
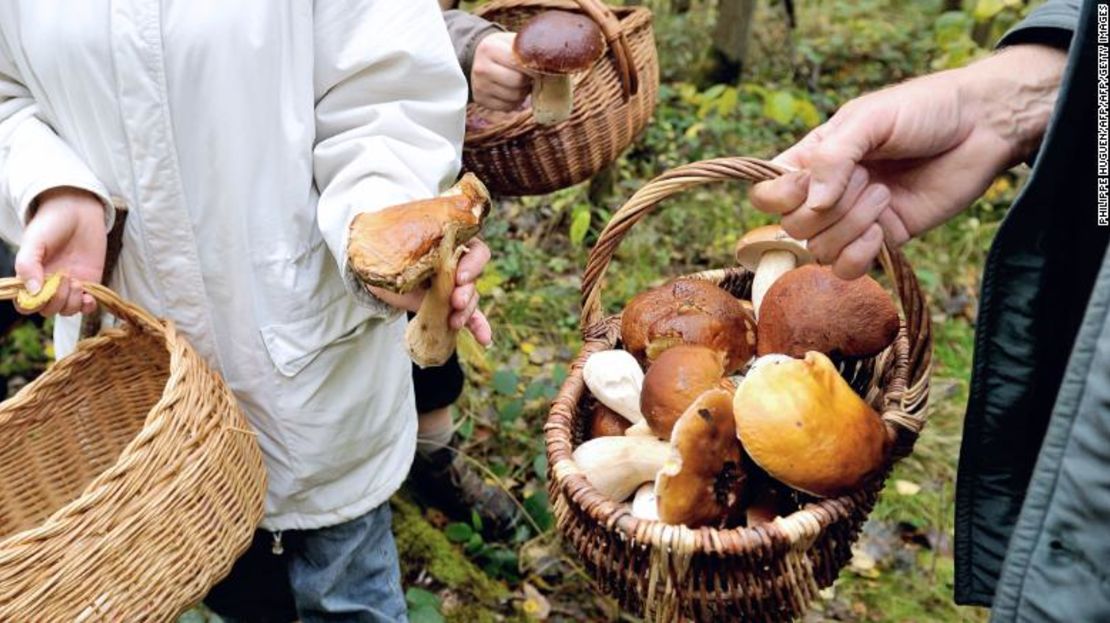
(905, 487)
(535, 606)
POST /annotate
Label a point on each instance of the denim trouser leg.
(349, 572)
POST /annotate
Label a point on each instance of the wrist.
(73, 199)
(1012, 94)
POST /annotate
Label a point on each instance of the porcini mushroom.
(702, 481)
(616, 466)
(769, 252)
(688, 311)
(801, 422)
(552, 46)
(401, 247)
(677, 378)
(810, 308)
(615, 378)
(644, 504)
(605, 422)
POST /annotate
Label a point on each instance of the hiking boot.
(445, 480)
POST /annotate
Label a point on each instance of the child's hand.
(465, 297)
(66, 235)
(495, 80)
(464, 300)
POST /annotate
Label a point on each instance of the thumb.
(28, 265)
(850, 136)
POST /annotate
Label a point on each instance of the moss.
(423, 548)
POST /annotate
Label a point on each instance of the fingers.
(472, 262)
(460, 318)
(479, 327)
(781, 195)
(828, 245)
(856, 258)
(59, 301)
(462, 296)
(28, 267)
(805, 222)
(507, 78)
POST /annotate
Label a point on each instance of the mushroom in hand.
(801, 423)
(810, 308)
(617, 466)
(703, 479)
(677, 378)
(401, 247)
(769, 252)
(552, 46)
(688, 311)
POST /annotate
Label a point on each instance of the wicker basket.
(769, 572)
(613, 102)
(129, 478)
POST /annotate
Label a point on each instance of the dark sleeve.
(466, 32)
(1053, 23)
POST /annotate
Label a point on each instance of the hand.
(66, 235)
(903, 160)
(495, 80)
(464, 299)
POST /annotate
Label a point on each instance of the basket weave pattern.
(613, 102)
(129, 478)
(769, 572)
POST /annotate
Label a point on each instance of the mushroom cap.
(702, 481)
(398, 248)
(810, 308)
(760, 240)
(558, 42)
(679, 376)
(605, 422)
(688, 311)
(801, 423)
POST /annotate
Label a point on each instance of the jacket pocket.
(343, 396)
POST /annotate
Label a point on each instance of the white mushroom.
(643, 503)
(615, 378)
(617, 466)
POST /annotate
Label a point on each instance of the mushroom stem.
(772, 265)
(616, 466)
(552, 98)
(429, 336)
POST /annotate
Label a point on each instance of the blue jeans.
(347, 572)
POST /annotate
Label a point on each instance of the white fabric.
(244, 136)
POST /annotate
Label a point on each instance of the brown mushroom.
(688, 311)
(810, 308)
(677, 378)
(605, 422)
(801, 422)
(703, 479)
(769, 252)
(552, 46)
(401, 247)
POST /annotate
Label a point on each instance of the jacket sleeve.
(33, 158)
(390, 102)
(1053, 23)
(467, 31)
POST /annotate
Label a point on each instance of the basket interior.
(69, 425)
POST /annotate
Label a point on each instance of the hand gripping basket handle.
(912, 362)
(132, 314)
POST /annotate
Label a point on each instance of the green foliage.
(25, 352)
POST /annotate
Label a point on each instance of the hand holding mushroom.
(398, 250)
(553, 46)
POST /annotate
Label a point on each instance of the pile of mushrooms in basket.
(721, 412)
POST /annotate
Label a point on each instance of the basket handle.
(108, 299)
(903, 401)
(614, 35)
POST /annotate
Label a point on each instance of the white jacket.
(244, 136)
